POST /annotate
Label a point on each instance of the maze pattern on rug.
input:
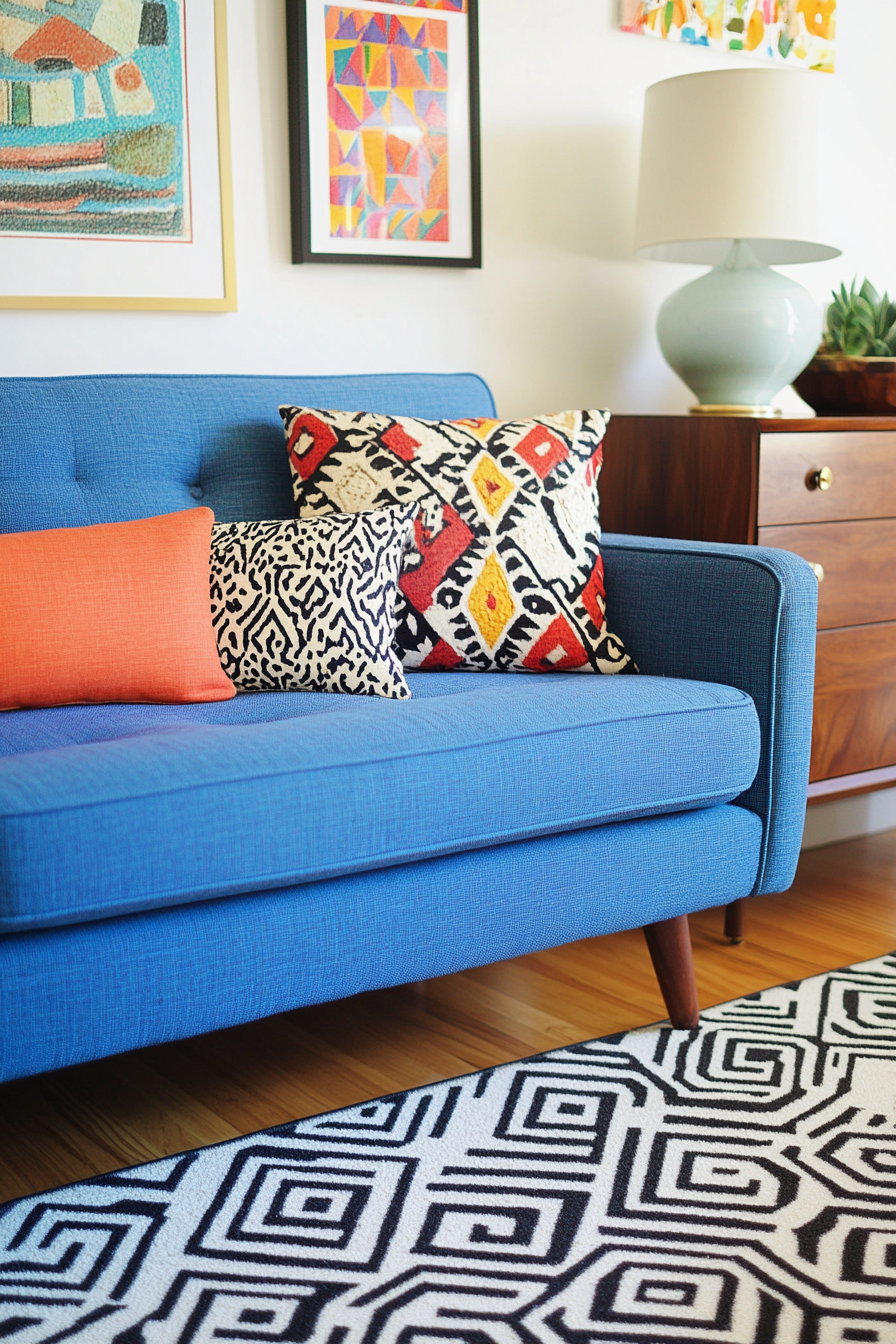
(736, 1183)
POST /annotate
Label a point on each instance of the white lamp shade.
(730, 154)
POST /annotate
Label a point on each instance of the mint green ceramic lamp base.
(738, 335)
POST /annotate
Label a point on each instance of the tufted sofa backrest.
(106, 448)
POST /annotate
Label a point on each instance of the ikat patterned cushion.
(505, 569)
(310, 605)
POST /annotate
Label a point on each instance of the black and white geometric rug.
(734, 1184)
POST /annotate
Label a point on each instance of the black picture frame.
(301, 185)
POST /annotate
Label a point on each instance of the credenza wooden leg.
(669, 944)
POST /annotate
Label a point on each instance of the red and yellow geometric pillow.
(505, 572)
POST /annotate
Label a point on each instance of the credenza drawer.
(732, 479)
(859, 563)
(855, 700)
(862, 467)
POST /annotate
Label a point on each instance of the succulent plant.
(861, 322)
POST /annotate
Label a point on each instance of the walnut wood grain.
(715, 479)
(859, 560)
(864, 485)
(669, 944)
(833, 424)
(854, 727)
(674, 476)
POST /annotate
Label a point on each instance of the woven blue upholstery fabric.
(107, 449)
(39, 729)
(76, 993)
(743, 615)
(200, 810)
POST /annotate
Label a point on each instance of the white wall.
(846, 818)
(561, 314)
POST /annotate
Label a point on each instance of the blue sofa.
(167, 870)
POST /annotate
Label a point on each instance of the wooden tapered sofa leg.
(734, 922)
(669, 944)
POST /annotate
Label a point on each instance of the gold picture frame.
(222, 199)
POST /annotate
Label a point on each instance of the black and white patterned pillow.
(310, 604)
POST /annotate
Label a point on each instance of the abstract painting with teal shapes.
(800, 32)
(92, 125)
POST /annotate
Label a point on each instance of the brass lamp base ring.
(721, 408)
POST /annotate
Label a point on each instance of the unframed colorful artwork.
(801, 32)
(92, 126)
(387, 88)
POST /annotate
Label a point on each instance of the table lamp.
(728, 177)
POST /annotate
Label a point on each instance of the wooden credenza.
(824, 488)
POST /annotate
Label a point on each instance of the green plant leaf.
(855, 343)
(859, 321)
(869, 293)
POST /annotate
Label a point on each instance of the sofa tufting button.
(196, 491)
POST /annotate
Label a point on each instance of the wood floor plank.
(115, 1112)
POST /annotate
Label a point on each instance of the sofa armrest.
(745, 616)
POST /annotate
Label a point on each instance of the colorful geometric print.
(735, 1184)
(505, 571)
(92, 133)
(387, 92)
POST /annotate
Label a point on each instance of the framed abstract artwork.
(800, 32)
(384, 131)
(115, 187)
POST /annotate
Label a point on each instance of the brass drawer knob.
(820, 478)
(818, 571)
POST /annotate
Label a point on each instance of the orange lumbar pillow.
(118, 611)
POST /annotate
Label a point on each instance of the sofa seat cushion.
(113, 809)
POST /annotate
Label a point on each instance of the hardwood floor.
(116, 1112)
